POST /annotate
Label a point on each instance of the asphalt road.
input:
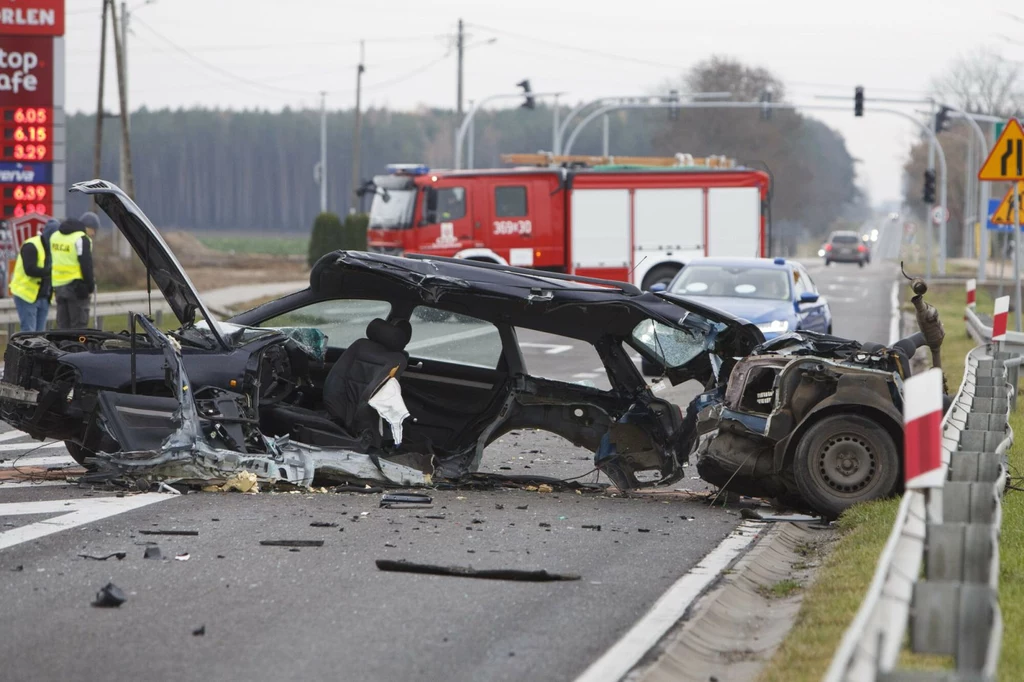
(327, 612)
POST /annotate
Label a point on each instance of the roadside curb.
(734, 629)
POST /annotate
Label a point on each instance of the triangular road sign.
(1004, 214)
(1006, 159)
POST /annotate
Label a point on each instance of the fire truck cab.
(627, 222)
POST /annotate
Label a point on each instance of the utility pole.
(356, 132)
(323, 152)
(122, 95)
(98, 144)
(460, 43)
(125, 113)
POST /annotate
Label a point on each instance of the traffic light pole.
(460, 136)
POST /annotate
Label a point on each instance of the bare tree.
(982, 81)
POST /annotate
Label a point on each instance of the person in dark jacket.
(30, 286)
(72, 272)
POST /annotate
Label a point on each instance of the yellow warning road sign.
(1004, 214)
(1006, 159)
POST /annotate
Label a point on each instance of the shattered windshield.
(392, 209)
(673, 347)
(740, 281)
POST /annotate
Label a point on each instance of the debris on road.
(750, 514)
(591, 526)
(323, 524)
(169, 532)
(406, 501)
(199, 631)
(292, 543)
(109, 596)
(118, 555)
(153, 553)
(243, 482)
(182, 557)
(403, 566)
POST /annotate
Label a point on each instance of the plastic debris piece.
(109, 596)
(750, 514)
(153, 553)
(405, 500)
(323, 524)
(119, 555)
(243, 482)
(182, 557)
(199, 631)
(164, 488)
(544, 488)
(403, 566)
(388, 403)
(591, 526)
(169, 532)
(292, 543)
(643, 530)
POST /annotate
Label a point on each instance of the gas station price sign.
(19, 200)
(26, 133)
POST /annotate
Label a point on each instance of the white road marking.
(28, 461)
(11, 435)
(4, 485)
(669, 608)
(76, 512)
(550, 348)
(894, 321)
(34, 445)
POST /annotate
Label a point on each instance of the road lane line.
(11, 435)
(894, 320)
(670, 607)
(78, 512)
(29, 461)
(34, 445)
(550, 348)
(448, 338)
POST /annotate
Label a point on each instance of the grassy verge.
(263, 244)
(1011, 562)
(832, 600)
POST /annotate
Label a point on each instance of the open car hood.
(160, 262)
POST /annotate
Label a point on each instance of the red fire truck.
(638, 219)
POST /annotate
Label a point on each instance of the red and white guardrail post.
(972, 295)
(1000, 316)
(922, 439)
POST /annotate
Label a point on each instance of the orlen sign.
(26, 70)
(32, 17)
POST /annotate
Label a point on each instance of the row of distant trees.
(204, 169)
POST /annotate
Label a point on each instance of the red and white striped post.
(1000, 316)
(922, 438)
(972, 293)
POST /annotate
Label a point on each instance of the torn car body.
(267, 393)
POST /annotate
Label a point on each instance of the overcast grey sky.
(269, 54)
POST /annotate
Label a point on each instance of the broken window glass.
(673, 347)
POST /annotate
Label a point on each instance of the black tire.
(660, 274)
(845, 459)
(79, 454)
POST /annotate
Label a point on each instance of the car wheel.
(661, 274)
(845, 459)
(79, 454)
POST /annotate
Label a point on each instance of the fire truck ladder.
(545, 159)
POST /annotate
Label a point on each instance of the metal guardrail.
(951, 607)
(113, 303)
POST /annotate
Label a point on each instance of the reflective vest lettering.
(24, 287)
(66, 268)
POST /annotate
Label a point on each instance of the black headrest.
(391, 336)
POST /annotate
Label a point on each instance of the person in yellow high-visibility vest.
(30, 286)
(72, 272)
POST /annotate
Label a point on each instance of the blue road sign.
(993, 206)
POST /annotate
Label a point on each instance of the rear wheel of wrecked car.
(661, 274)
(845, 459)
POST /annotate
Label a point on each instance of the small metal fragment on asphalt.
(591, 526)
(182, 557)
(643, 530)
(323, 524)
(499, 506)
(403, 566)
(525, 506)
(153, 552)
(292, 543)
(438, 517)
(750, 514)
(544, 524)
(169, 532)
(199, 631)
(109, 596)
(119, 555)
(477, 521)
(405, 500)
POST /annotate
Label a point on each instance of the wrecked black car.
(401, 370)
(287, 390)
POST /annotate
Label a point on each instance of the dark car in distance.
(846, 247)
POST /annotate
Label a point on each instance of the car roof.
(844, 233)
(765, 263)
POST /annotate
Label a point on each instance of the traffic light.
(929, 187)
(941, 119)
(766, 98)
(528, 102)
(673, 100)
(858, 101)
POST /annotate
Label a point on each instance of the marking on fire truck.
(447, 236)
(513, 227)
